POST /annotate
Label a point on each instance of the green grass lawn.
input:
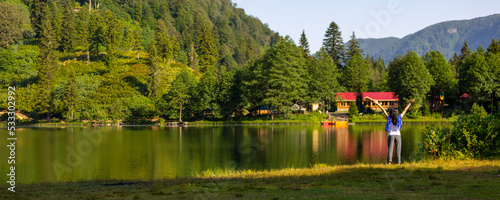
(440, 179)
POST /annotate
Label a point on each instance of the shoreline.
(413, 180)
(222, 123)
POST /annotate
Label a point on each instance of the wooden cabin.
(386, 99)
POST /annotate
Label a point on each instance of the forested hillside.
(446, 37)
(140, 61)
(71, 60)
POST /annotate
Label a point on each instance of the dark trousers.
(390, 143)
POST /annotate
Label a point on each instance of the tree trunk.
(492, 104)
(90, 6)
(72, 110)
(180, 114)
(88, 57)
(137, 55)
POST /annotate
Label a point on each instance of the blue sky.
(368, 19)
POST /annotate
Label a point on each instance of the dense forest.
(184, 59)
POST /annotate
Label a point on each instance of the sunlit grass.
(431, 179)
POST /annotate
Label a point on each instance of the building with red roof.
(386, 99)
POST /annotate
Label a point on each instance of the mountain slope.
(446, 37)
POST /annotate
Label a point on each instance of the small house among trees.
(386, 99)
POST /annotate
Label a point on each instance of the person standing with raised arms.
(393, 127)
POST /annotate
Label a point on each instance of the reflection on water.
(148, 153)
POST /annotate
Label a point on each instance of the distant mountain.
(447, 37)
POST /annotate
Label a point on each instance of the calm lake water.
(149, 153)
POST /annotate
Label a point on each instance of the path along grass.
(473, 179)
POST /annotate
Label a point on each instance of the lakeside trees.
(215, 70)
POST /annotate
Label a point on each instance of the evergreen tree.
(167, 45)
(97, 32)
(283, 68)
(137, 40)
(357, 74)
(494, 46)
(205, 93)
(193, 57)
(68, 36)
(304, 45)
(323, 79)
(47, 67)
(84, 34)
(207, 52)
(353, 47)
(180, 93)
(464, 52)
(334, 44)
(155, 71)
(37, 15)
(113, 36)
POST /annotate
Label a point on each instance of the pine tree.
(304, 45)
(113, 36)
(69, 34)
(97, 28)
(155, 71)
(37, 15)
(353, 47)
(83, 30)
(137, 40)
(334, 44)
(167, 45)
(494, 46)
(283, 69)
(464, 52)
(193, 57)
(207, 52)
(47, 66)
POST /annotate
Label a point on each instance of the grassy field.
(440, 179)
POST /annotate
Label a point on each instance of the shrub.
(478, 110)
(471, 136)
(353, 110)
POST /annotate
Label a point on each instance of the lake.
(153, 152)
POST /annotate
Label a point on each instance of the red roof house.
(386, 99)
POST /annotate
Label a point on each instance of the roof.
(464, 96)
(379, 96)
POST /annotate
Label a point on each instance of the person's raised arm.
(407, 106)
(376, 103)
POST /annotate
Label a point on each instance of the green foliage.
(334, 44)
(478, 110)
(14, 22)
(304, 45)
(69, 35)
(323, 82)
(283, 70)
(470, 137)
(208, 54)
(353, 47)
(409, 78)
(353, 110)
(442, 73)
(179, 95)
(356, 76)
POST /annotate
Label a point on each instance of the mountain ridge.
(447, 37)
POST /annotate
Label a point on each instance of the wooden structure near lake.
(386, 99)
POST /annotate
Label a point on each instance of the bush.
(353, 110)
(478, 110)
(471, 136)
